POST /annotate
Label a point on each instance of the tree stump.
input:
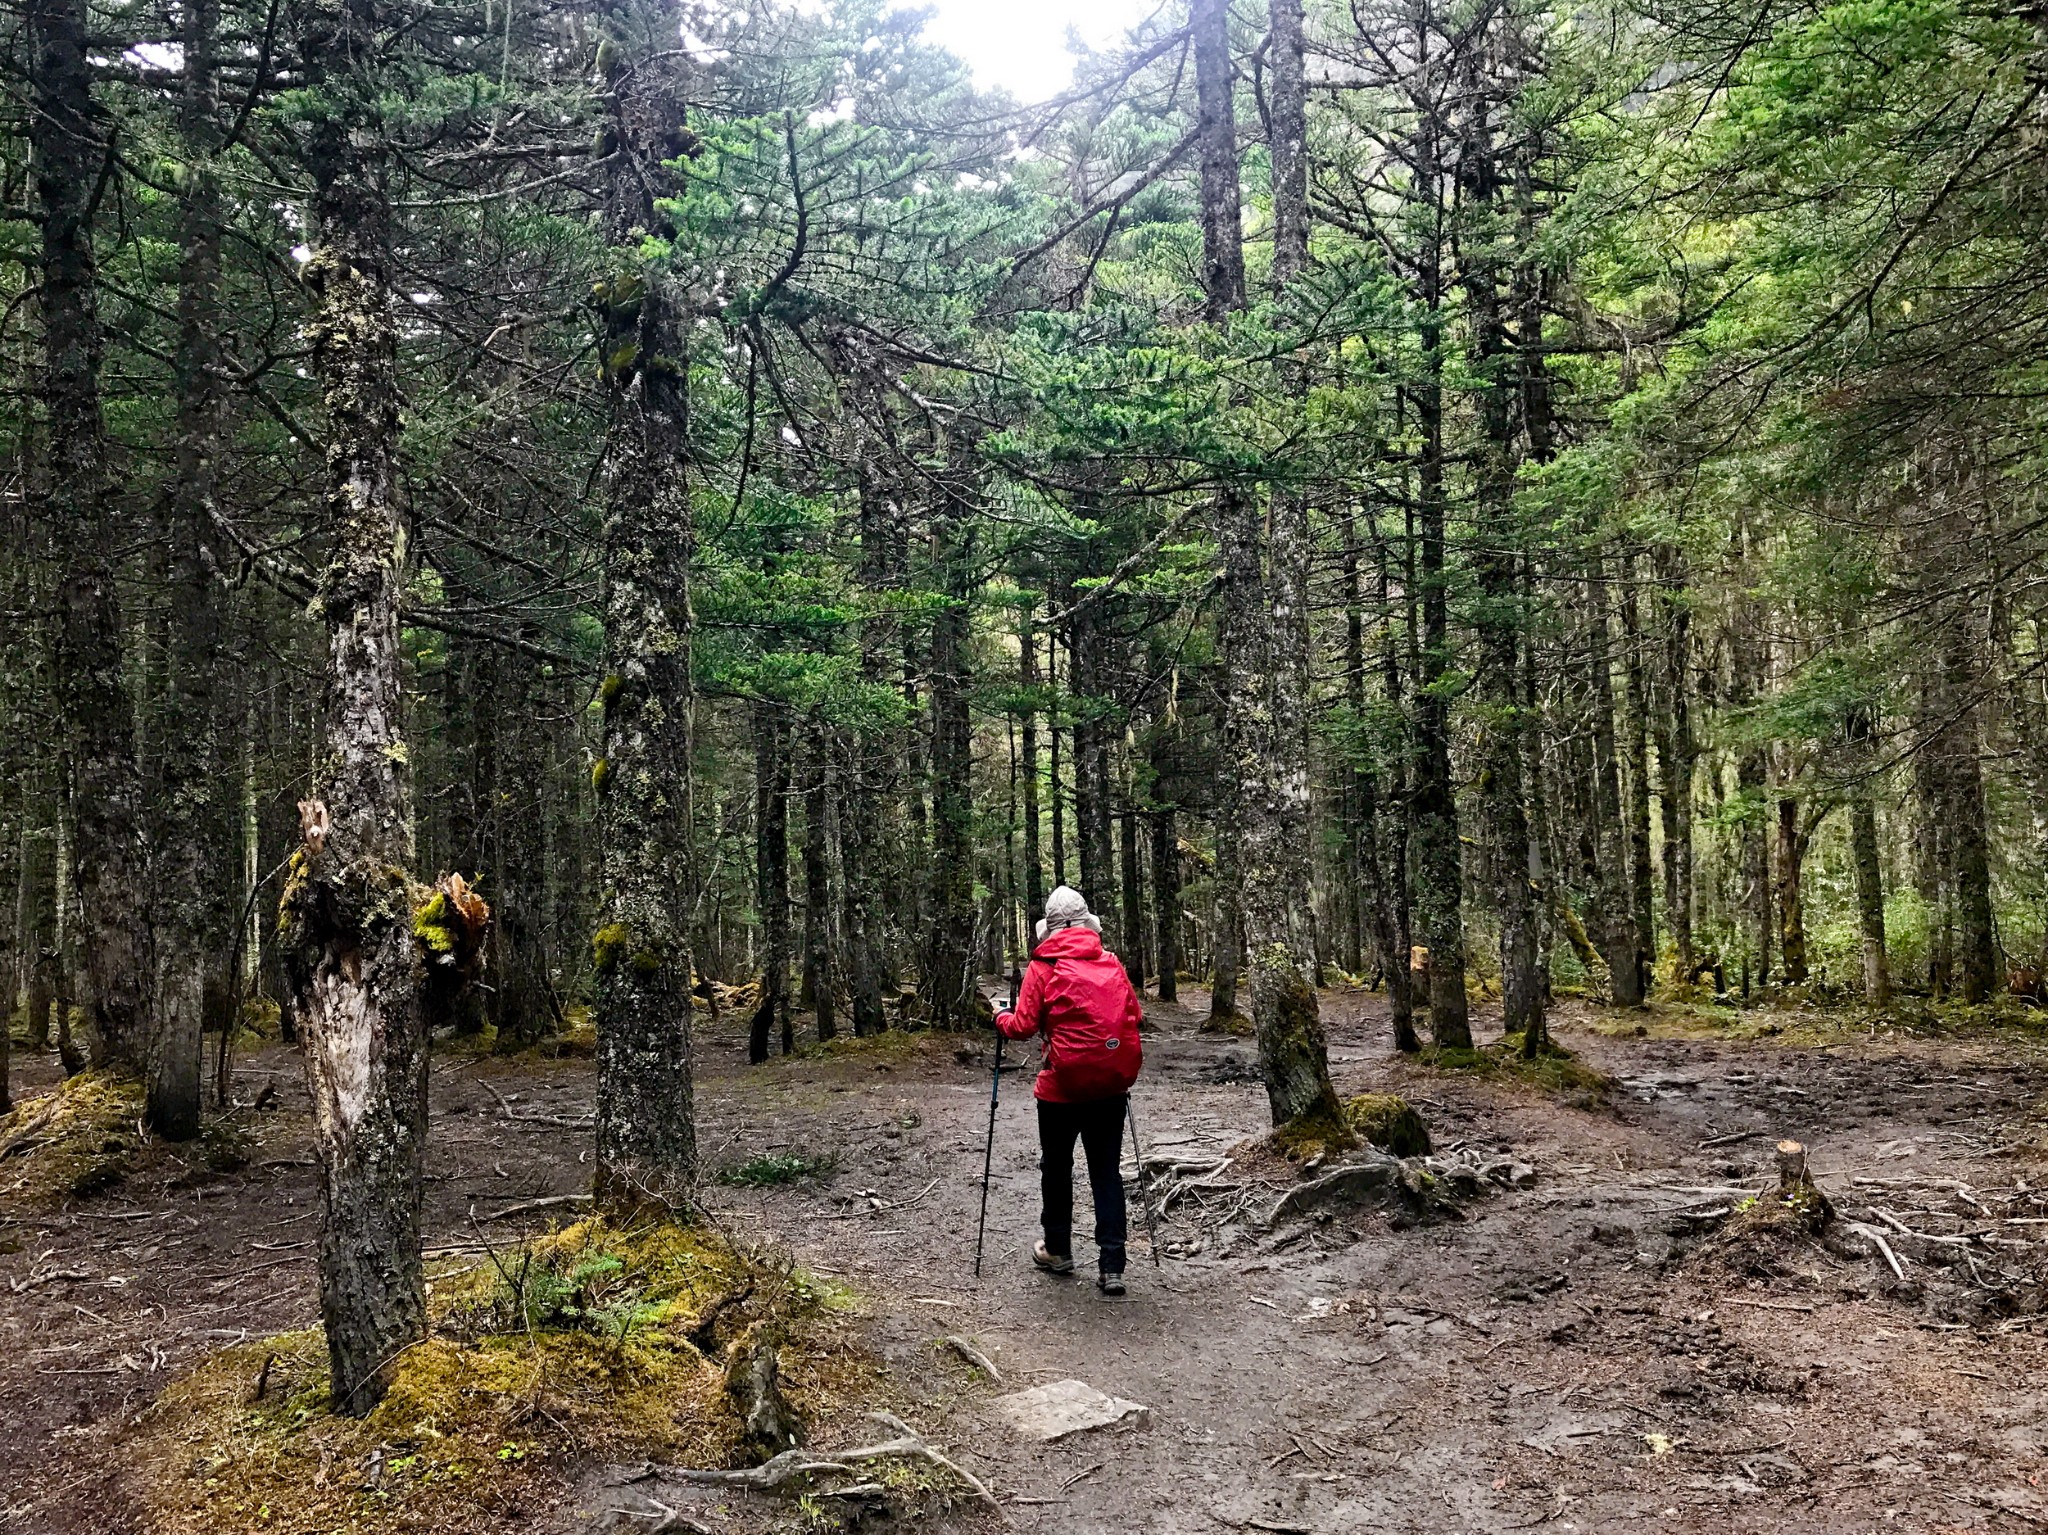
(1792, 1166)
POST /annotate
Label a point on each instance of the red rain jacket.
(1075, 992)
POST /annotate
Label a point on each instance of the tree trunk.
(523, 1005)
(1977, 974)
(949, 973)
(1034, 869)
(864, 835)
(75, 501)
(1134, 942)
(1877, 974)
(1496, 371)
(1676, 755)
(646, 1122)
(771, 877)
(1391, 848)
(1620, 944)
(820, 983)
(1264, 631)
(1793, 840)
(1166, 903)
(1216, 134)
(1438, 856)
(355, 964)
(1636, 759)
(189, 869)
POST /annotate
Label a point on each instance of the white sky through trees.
(1021, 45)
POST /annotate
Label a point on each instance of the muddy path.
(1559, 1357)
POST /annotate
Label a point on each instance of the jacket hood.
(1070, 943)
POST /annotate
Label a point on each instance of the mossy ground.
(890, 1045)
(77, 1140)
(1810, 1019)
(86, 1136)
(593, 1343)
(1553, 1069)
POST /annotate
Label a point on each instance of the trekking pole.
(1144, 1195)
(995, 1087)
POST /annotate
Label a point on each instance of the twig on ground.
(973, 1356)
(554, 1202)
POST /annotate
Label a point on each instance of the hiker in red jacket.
(1075, 994)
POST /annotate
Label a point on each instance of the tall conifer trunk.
(646, 1124)
(355, 966)
(1265, 600)
(76, 501)
(1500, 621)
(189, 872)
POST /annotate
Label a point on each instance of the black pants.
(1100, 1128)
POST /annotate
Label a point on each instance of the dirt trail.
(1543, 1362)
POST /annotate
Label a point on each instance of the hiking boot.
(1052, 1263)
(1110, 1284)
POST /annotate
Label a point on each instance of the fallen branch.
(1877, 1239)
(554, 1202)
(795, 1465)
(1730, 1140)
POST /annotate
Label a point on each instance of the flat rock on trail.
(1554, 1359)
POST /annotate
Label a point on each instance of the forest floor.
(1566, 1355)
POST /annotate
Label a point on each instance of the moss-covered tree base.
(595, 1343)
(1385, 1120)
(1389, 1122)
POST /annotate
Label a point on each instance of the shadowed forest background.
(562, 529)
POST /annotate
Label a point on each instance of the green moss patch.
(774, 1168)
(1553, 1069)
(594, 1343)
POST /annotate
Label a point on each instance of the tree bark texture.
(646, 1124)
